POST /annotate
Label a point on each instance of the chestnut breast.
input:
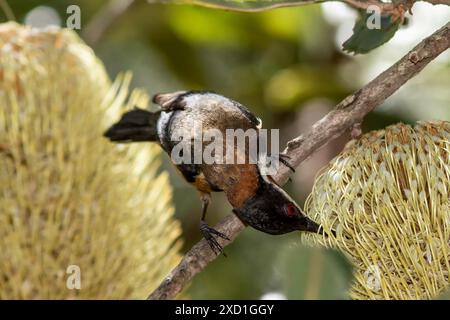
(210, 111)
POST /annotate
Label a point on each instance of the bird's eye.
(291, 210)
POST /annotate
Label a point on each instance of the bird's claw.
(210, 236)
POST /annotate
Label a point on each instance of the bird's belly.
(202, 184)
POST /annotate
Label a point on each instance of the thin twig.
(104, 20)
(444, 2)
(9, 14)
(346, 114)
(241, 6)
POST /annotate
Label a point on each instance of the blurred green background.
(287, 66)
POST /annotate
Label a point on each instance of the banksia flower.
(387, 196)
(69, 200)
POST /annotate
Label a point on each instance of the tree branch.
(444, 2)
(345, 116)
(388, 8)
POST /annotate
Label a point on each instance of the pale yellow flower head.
(69, 197)
(387, 197)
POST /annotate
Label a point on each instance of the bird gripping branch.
(256, 199)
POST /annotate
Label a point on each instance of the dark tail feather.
(135, 125)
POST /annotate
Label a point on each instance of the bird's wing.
(254, 120)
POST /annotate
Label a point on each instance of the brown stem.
(387, 8)
(9, 14)
(346, 115)
(444, 2)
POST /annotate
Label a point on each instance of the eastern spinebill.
(256, 199)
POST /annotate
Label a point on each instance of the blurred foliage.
(314, 273)
(275, 62)
(364, 39)
(67, 195)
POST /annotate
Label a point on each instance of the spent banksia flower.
(387, 198)
(67, 196)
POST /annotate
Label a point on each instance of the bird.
(257, 200)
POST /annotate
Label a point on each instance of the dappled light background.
(287, 66)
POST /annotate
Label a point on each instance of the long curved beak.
(314, 227)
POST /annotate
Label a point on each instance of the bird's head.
(272, 211)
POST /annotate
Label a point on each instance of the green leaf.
(364, 39)
(314, 273)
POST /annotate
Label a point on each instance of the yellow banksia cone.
(387, 196)
(79, 217)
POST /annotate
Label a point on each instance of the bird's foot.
(210, 236)
(284, 160)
